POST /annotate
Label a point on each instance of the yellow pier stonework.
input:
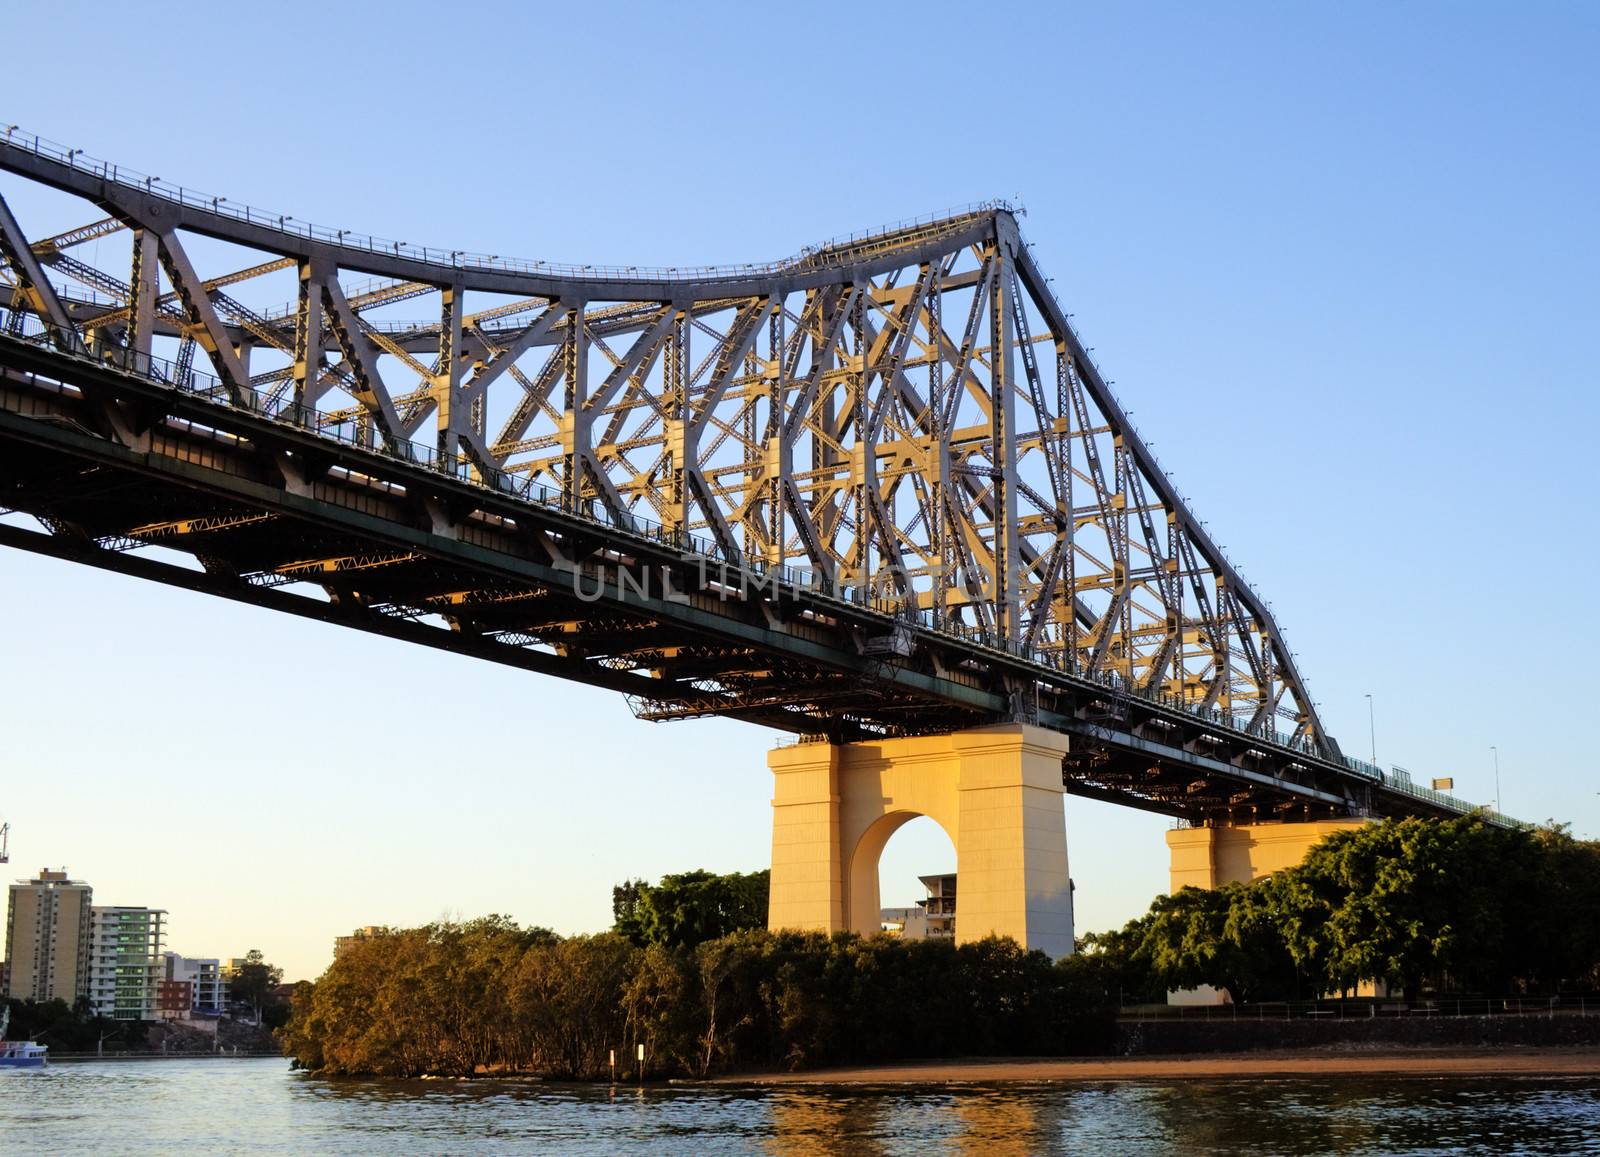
(996, 792)
(1211, 857)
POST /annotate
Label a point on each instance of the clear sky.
(1341, 261)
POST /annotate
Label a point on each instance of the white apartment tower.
(126, 965)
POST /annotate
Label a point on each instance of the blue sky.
(1340, 260)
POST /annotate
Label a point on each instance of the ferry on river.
(19, 1054)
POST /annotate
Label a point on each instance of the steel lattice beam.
(907, 420)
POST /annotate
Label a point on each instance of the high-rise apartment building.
(126, 966)
(47, 938)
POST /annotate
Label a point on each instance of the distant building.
(940, 905)
(126, 966)
(208, 989)
(932, 919)
(48, 927)
(174, 999)
(342, 944)
(908, 923)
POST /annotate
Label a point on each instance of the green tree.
(625, 907)
(1456, 904)
(660, 1008)
(1226, 937)
(690, 907)
(569, 997)
(1182, 938)
(1256, 962)
(1412, 902)
(255, 983)
(1115, 962)
(1557, 937)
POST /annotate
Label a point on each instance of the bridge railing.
(1444, 799)
(24, 326)
(831, 254)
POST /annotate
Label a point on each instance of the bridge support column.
(1211, 857)
(996, 792)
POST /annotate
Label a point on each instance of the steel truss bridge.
(875, 489)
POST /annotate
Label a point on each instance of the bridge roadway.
(262, 506)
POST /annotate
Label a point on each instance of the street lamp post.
(1372, 730)
(1496, 751)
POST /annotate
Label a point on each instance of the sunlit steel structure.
(878, 488)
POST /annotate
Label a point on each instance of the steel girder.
(908, 415)
(937, 538)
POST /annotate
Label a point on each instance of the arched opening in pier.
(915, 876)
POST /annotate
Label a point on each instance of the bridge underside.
(204, 509)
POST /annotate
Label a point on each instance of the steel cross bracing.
(897, 440)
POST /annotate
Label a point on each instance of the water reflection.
(208, 1106)
(1005, 1123)
(801, 1122)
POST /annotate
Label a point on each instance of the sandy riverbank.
(1515, 1062)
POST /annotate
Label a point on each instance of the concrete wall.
(1211, 857)
(1173, 1037)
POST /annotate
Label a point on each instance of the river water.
(260, 1107)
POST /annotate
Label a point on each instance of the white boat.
(22, 1054)
(19, 1054)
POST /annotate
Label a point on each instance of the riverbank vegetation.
(489, 995)
(689, 974)
(1442, 906)
(67, 1028)
(75, 1030)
